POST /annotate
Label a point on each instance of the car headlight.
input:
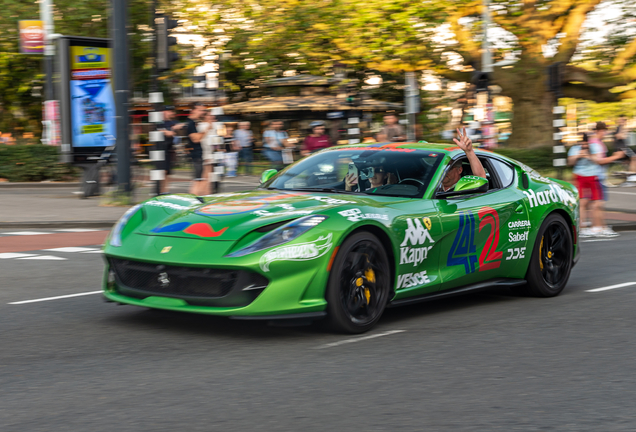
(115, 237)
(282, 234)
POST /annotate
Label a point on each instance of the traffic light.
(164, 41)
(481, 80)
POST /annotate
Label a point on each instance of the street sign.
(31, 36)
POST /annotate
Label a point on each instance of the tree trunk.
(532, 108)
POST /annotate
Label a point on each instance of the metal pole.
(120, 72)
(153, 85)
(412, 103)
(488, 139)
(486, 57)
(46, 16)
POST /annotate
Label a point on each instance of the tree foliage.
(21, 76)
(394, 36)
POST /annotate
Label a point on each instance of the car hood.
(230, 216)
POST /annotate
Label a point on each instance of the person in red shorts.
(586, 158)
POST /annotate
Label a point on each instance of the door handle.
(519, 209)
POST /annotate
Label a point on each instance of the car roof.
(450, 149)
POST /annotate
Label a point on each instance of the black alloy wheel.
(551, 261)
(359, 284)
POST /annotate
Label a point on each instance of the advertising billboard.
(31, 36)
(91, 94)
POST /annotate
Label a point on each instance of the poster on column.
(92, 100)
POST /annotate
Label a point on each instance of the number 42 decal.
(463, 248)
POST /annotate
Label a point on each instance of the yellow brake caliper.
(370, 276)
(540, 251)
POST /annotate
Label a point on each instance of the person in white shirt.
(209, 128)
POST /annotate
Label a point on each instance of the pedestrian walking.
(392, 131)
(587, 158)
(244, 141)
(275, 140)
(231, 151)
(620, 133)
(209, 127)
(316, 140)
(194, 149)
(170, 127)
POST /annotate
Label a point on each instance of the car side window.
(467, 170)
(504, 171)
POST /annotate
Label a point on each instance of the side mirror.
(467, 185)
(268, 174)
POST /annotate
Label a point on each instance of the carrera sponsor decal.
(522, 224)
(554, 195)
(417, 235)
(463, 250)
(410, 280)
(518, 237)
(198, 229)
(516, 253)
(298, 252)
(355, 215)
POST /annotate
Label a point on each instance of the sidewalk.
(50, 205)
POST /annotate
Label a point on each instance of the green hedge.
(539, 158)
(32, 163)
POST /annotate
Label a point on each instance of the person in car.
(377, 175)
(454, 173)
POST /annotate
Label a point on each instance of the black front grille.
(193, 284)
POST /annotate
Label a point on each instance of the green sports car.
(310, 244)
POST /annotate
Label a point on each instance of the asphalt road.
(484, 362)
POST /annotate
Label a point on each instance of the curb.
(628, 226)
(37, 185)
(619, 211)
(58, 224)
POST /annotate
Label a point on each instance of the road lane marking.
(17, 233)
(55, 298)
(348, 341)
(10, 255)
(77, 230)
(598, 240)
(611, 287)
(44, 258)
(71, 249)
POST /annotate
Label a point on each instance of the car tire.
(551, 260)
(359, 284)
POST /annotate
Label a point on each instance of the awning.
(306, 103)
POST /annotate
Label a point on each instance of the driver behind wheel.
(377, 176)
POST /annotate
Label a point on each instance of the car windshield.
(391, 172)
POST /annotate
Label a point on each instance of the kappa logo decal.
(416, 235)
(298, 252)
